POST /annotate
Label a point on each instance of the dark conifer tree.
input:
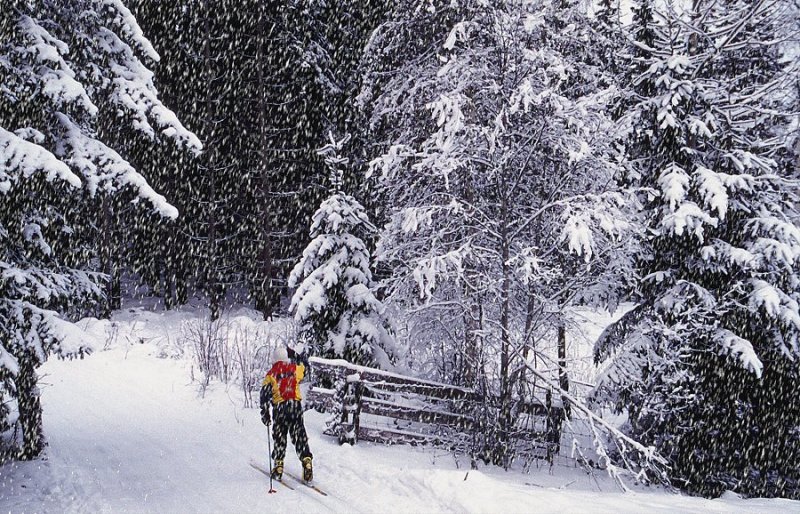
(707, 365)
(69, 72)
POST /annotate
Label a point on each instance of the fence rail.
(374, 405)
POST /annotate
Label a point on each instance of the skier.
(281, 388)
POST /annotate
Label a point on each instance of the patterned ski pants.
(288, 419)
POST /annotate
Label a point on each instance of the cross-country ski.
(306, 483)
(268, 475)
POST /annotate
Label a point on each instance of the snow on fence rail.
(375, 405)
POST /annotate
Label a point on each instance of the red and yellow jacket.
(283, 379)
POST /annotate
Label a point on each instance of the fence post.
(357, 392)
(344, 424)
(338, 423)
(351, 409)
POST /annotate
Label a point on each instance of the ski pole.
(269, 459)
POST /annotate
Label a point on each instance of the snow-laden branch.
(27, 158)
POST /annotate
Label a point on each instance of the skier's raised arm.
(298, 357)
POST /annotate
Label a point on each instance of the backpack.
(285, 375)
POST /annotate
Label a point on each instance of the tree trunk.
(473, 323)
(169, 288)
(471, 355)
(264, 286)
(505, 340)
(212, 280)
(116, 288)
(181, 286)
(563, 378)
(30, 409)
(112, 299)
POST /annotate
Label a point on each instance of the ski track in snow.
(129, 432)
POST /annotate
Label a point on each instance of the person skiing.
(281, 389)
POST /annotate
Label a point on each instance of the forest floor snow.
(128, 431)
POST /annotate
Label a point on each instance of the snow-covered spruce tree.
(63, 66)
(497, 174)
(334, 303)
(708, 365)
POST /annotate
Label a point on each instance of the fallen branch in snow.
(586, 464)
(649, 461)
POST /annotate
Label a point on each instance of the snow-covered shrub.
(207, 340)
(334, 420)
(253, 345)
(234, 349)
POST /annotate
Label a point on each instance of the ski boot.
(308, 473)
(277, 471)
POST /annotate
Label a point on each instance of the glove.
(302, 358)
(265, 417)
(299, 358)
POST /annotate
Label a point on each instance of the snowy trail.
(128, 432)
(130, 452)
(129, 435)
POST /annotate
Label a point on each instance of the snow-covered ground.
(128, 431)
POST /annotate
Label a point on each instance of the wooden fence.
(373, 405)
